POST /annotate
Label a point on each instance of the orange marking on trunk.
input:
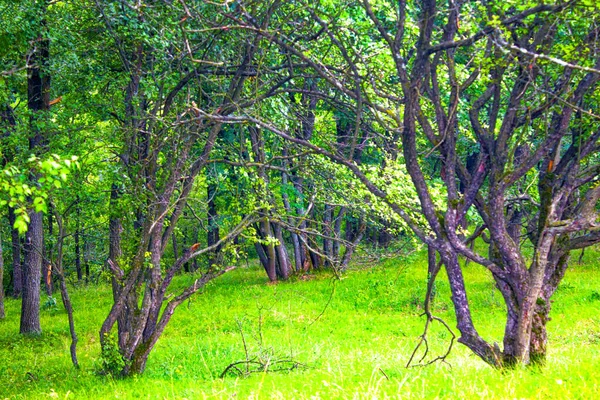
(56, 100)
(49, 275)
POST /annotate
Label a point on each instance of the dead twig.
(434, 268)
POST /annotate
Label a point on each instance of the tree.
(164, 145)
(38, 103)
(457, 81)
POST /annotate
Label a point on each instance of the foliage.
(111, 361)
(50, 304)
(19, 192)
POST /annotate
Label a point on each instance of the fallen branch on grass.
(245, 368)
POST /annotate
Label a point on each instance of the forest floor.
(319, 338)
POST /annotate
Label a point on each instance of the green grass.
(353, 336)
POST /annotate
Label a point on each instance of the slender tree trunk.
(288, 209)
(66, 299)
(270, 267)
(314, 258)
(349, 231)
(328, 231)
(431, 270)
(469, 336)
(337, 231)
(114, 255)
(46, 265)
(284, 265)
(512, 317)
(87, 250)
(305, 263)
(357, 237)
(262, 256)
(47, 274)
(77, 244)
(277, 261)
(297, 251)
(213, 226)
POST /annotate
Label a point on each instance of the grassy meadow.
(348, 338)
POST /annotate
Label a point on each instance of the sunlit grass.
(352, 336)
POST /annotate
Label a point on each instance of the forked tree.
(171, 68)
(493, 105)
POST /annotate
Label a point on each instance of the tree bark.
(76, 238)
(32, 271)
(328, 232)
(46, 265)
(337, 231)
(469, 336)
(271, 258)
(288, 209)
(87, 253)
(283, 260)
(66, 299)
(212, 235)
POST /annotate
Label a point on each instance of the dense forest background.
(142, 141)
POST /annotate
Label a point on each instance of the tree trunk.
(298, 183)
(213, 225)
(77, 245)
(87, 255)
(512, 317)
(357, 237)
(38, 103)
(539, 336)
(283, 260)
(337, 230)
(559, 262)
(469, 336)
(262, 256)
(46, 265)
(288, 209)
(114, 256)
(66, 299)
(32, 271)
(328, 232)
(315, 259)
(270, 266)
(350, 230)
